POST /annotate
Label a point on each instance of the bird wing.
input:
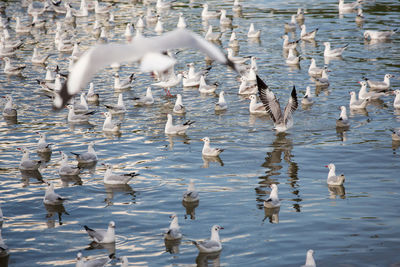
(209, 244)
(269, 100)
(291, 106)
(97, 235)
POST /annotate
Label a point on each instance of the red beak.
(326, 166)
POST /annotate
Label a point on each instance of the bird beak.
(359, 82)
(326, 166)
(221, 227)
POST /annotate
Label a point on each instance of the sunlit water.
(355, 225)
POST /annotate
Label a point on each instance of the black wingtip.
(261, 84)
(294, 93)
(231, 64)
(63, 96)
(87, 228)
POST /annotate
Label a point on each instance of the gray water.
(356, 225)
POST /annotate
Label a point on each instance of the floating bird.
(324, 80)
(3, 246)
(379, 85)
(9, 110)
(178, 107)
(307, 98)
(159, 26)
(65, 168)
(174, 231)
(181, 22)
(364, 94)
(282, 121)
(224, 20)
(78, 118)
(51, 197)
(348, 7)
(337, 52)
(88, 157)
(292, 25)
(37, 58)
(27, 164)
(211, 245)
(12, 70)
(19, 28)
(91, 96)
(163, 5)
(310, 262)
(307, 36)
(358, 103)
(233, 41)
(256, 108)
(43, 146)
(287, 44)
(209, 151)
(205, 88)
(300, 14)
(292, 59)
(378, 35)
(252, 33)
(101, 9)
(237, 7)
(206, 14)
(332, 178)
(102, 236)
(119, 108)
(99, 262)
(146, 99)
(110, 126)
(117, 179)
(343, 121)
(176, 129)
(82, 106)
(212, 36)
(124, 261)
(396, 102)
(221, 104)
(273, 200)
(236, 59)
(245, 88)
(313, 70)
(191, 194)
(360, 16)
(173, 80)
(396, 135)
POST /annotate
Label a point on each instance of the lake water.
(355, 225)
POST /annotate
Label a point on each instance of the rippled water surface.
(354, 225)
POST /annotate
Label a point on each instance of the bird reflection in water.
(111, 189)
(341, 133)
(110, 247)
(26, 175)
(272, 214)
(172, 246)
(45, 156)
(337, 191)
(282, 148)
(4, 258)
(207, 160)
(185, 139)
(190, 209)
(67, 179)
(51, 211)
(91, 166)
(208, 259)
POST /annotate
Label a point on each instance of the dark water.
(356, 225)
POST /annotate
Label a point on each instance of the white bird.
(91, 96)
(102, 236)
(49, 75)
(337, 52)
(307, 98)
(396, 102)
(333, 179)
(65, 168)
(348, 7)
(99, 262)
(360, 17)
(224, 20)
(206, 14)
(245, 88)
(3, 246)
(282, 121)
(174, 231)
(150, 17)
(273, 200)
(364, 94)
(233, 41)
(209, 151)
(43, 146)
(212, 36)
(251, 74)
(87, 157)
(51, 197)
(146, 99)
(163, 5)
(117, 179)
(128, 31)
(292, 59)
(9, 111)
(181, 22)
(343, 121)
(103, 55)
(236, 59)
(124, 261)
(124, 84)
(205, 88)
(170, 128)
(76, 52)
(378, 35)
(380, 85)
(237, 7)
(37, 58)
(12, 70)
(292, 25)
(191, 194)
(27, 164)
(300, 14)
(191, 77)
(104, 9)
(307, 36)
(78, 118)
(82, 106)
(119, 108)
(178, 107)
(287, 44)
(140, 23)
(310, 262)
(357, 103)
(396, 135)
(19, 28)
(110, 126)
(313, 70)
(256, 108)
(210, 245)
(324, 80)
(221, 104)
(159, 26)
(252, 33)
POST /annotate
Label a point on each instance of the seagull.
(174, 231)
(211, 245)
(19, 28)
(181, 22)
(324, 80)
(292, 59)
(145, 100)
(87, 157)
(212, 36)
(146, 49)
(209, 151)
(3, 246)
(65, 168)
(191, 77)
(379, 85)
(140, 23)
(349, 7)
(27, 164)
(206, 14)
(159, 26)
(178, 107)
(237, 7)
(12, 70)
(310, 262)
(287, 44)
(124, 261)
(307, 36)
(43, 146)
(163, 5)
(282, 121)
(37, 58)
(224, 20)
(233, 41)
(364, 94)
(256, 108)
(101, 9)
(343, 121)
(357, 103)
(119, 108)
(51, 197)
(123, 85)
(191, 195)
(245, 88)
(221, 104)
(396, 102)
(78, 118)
(332, 178)
(99, 262)
(9, 110)
(337, 52)
(82, 106)
(291, 26)
(102, 236)
(273, 200)
(205, 88)
(396, 135)
(252, 33)
(378, 35)
(109, 125)
(91, 96)
(116, 179)
(235, 59)
(307, 98)
(360, 16)
(300, 14)
(313, 70)
(173, 80)
(176, 129)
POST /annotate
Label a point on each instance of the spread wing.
(270, 101)
(291, 106)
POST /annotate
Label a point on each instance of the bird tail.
(189, 122)
(87, 228)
